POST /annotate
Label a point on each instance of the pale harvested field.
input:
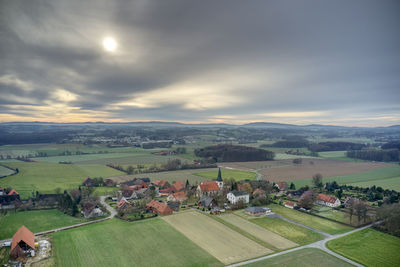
(225, 244)
(255, 165)
(326, 167)
(258, 231)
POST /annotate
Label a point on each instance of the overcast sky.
(330, 62)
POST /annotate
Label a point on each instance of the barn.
(22, 242)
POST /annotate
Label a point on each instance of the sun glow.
(109, 44)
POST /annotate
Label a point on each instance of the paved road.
(110, 209)
(319, 244)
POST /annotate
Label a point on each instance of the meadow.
(228, 174)
(217, 239)
(265, 235)
(47, 177)
(310, 220)
(151, 242)
(387, 177)
(5, 171)
(170, 176)
(295, 233)
(307, 257)
(36, 221)
(368, 247)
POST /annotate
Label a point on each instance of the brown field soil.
(258, 231)
(326, 167)
(225, 244)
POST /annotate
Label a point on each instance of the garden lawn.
(288, 230)
(369, 247)
(36, 221)
(151, 242)
(46, 177)
(307, 257)
(310, 220)
(228, 174)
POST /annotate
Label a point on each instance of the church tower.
(220, 182)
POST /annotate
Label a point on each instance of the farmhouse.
(22, 243)
(158, 207)
(329, 201)
(13, 193)
(177, 197)
(290, 204)
(162, 184)
(88, 182)
(237, 196)
(91, 210)
(178, 186)
(123, 204)
(208, 188)
(255, 211)
(282, 186)
(207, 202)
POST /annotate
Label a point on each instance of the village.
(141, 198)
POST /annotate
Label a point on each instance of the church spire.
(219, 178)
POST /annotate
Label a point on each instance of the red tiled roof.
(13, 192)
(160, 183)
(122, 202)
(159, 207)
(179, 195)
(209, 186)
(179, 186)
(290, 203)
(326, 198)
(282, 185)
(23, 234)
(258, 191)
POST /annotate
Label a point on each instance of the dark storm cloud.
(203, 60)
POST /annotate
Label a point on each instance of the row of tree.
(375, 155)
(231, 153)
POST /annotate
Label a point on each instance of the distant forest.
(316, 147)
(230, 153)
(375, 155)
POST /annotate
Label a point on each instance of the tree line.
(375, 155)
(229, 153)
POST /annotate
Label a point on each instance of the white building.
(329, 201)
(236, 196)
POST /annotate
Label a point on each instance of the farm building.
(258, 192)
(13, 193)
(161, 184)
(207, 202)
(255, 211)
(329, 201)
(174, 206)
(22, 243)
(178, 186)
(290, 204)
(177, 197)
(208, 188)
(2, 191)
(123, 204)
(158, 207)
(282, 186)
(237, 196)
(88, 182)
(91, 210)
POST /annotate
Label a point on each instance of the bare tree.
(307, 199)
(317, 181)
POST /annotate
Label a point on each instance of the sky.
(300, 62)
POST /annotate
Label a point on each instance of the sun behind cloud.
(110, 44)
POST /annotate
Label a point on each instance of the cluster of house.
(8, 198)
(322, 199)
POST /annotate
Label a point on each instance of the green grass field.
(46, 177)
(337, 155)
(288, 230)
(36, 221)
(228, 174)
(309, 220)
(368, 247)
(330, 213)
(145, 243)
(387, 178)
(5, 171)
(307, 257)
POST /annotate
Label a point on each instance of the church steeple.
(219, 178)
